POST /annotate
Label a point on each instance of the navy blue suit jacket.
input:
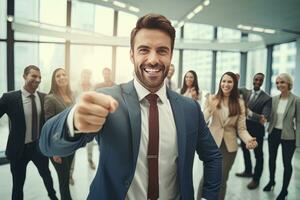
(119, 142)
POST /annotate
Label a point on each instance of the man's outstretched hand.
(91, 111)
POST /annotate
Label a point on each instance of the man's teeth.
(151, 70)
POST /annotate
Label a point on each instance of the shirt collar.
(143, 92)
(26, 93)
(257, 92)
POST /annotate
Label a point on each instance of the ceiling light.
(243, 27)
(105, 0)
(134, 9)
(257, 29)
(119, 4)
(10, 18)
(240, 26)
(206, 2)
(190, 16)
(198, 9)
(271, 31)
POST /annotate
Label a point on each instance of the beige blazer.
(291, 120)
(226, 129)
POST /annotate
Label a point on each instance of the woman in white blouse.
(284, 129)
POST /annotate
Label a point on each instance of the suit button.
(127, 184)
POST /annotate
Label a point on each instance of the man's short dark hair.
(153, 21)
(259, 73)
(28, 68)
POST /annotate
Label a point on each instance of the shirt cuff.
(70, 122)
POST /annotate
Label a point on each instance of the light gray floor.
(236, 187)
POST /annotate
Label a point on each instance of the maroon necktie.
(153, 187)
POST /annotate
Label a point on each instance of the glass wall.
(228, 34)
(94, 58)
(198, 31)
(126, 22)
(284, 61)
(3, 88)
(46, 56)
(256, 62)
(91, 17)
(201, 63)
(3, 8)
(227, 61)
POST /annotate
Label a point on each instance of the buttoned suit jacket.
(119, 141)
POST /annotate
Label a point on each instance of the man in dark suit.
(25, 111)
(259, 108)
(147, 134)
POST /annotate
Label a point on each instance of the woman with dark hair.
(190, 86)
(59, 98)
(226, 112)
(284, 129)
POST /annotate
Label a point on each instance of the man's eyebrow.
(142, 46)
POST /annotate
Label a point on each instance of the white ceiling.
(281, 15)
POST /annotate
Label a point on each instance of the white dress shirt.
(280, 111)
(28, 112)
(168, 148)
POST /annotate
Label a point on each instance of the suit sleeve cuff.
(70, 123)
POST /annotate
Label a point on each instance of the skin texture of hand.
(91, 111)
(262, 119)
(57, 159)
(251, 144)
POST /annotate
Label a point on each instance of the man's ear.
(131, 56)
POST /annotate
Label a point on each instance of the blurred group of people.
(247, 114)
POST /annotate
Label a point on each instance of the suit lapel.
(20, 106)
(180, 127)
(290, 100)
(134, 111)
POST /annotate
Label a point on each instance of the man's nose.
(153, 58)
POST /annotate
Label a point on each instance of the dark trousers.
(288, 149)
(63, 173)
(255, 130)
(18, 170)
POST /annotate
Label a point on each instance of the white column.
(296, 75)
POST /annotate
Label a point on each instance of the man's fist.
(91, 111)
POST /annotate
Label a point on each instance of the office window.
(40, 11)
(46, 56)
(83, 15)
(283, 62)
(198, 31)
(126, 22)
(3, 88)
(226, 33)
(51, 56)
(3, 12)
(201, 63)
(124, 67)
(104, 20)
(256, 62)
(26, 10)
(227, 61)
(94, 58)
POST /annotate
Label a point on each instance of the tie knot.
(152, 98)
(32, 96)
